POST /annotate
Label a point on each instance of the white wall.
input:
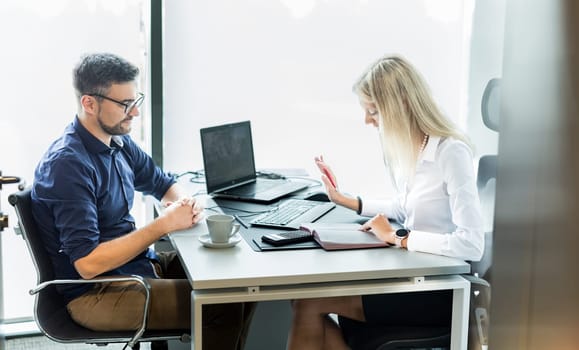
(288, 66)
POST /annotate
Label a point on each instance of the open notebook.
(342, 236)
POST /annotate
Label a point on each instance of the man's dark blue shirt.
(82, 195)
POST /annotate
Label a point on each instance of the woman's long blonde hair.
(407, 112)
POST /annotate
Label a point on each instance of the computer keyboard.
(293, 212)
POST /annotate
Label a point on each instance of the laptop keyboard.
(286, 212)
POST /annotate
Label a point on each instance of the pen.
(329, 177)
(240, 221)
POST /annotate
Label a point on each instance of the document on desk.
(342, 236)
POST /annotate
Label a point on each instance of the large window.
(41, 42)
(288, 66)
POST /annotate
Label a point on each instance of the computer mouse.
(317, 196)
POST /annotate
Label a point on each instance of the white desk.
(241, 274)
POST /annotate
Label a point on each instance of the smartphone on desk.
(287, 237)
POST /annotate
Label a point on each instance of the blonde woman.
(430, 164)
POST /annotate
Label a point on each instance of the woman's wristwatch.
(400, 235)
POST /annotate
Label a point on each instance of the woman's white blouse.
(441, 207)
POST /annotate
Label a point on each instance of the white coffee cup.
(221, 227)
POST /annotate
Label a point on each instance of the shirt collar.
(93, 144)
(429, 152)
(117, 141)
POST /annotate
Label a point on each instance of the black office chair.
(50, 311)
(487, 172)
(486, 183)
(361, 336)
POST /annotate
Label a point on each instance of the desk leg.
(460, 310)
(196, 322)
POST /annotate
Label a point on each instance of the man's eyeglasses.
(129, 104)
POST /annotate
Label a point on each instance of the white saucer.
(206, 240)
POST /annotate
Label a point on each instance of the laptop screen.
(227, 155)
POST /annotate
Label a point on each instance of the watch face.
(401, 233)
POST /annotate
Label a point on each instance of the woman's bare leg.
(333, 339)
(311, 328)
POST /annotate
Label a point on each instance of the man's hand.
(179, 215)
(182, 214)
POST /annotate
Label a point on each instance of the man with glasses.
(82, 195)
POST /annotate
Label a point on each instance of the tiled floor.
(25, 335)
(40, 342)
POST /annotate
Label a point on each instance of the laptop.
(229, 164)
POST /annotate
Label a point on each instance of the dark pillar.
(535, 296)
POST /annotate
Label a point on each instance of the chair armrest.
(129, 278)
(480, 289)
(477, 281)
(133, 278)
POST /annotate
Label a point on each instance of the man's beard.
(114, 130)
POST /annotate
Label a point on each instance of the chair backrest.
(22, 203)
(491, 104)
(490, 111)
(50, 308)
(487, 172)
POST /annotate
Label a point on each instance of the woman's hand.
(328, 176)
(381, 228)
(329, 180)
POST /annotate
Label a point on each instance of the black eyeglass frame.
(136, 103)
